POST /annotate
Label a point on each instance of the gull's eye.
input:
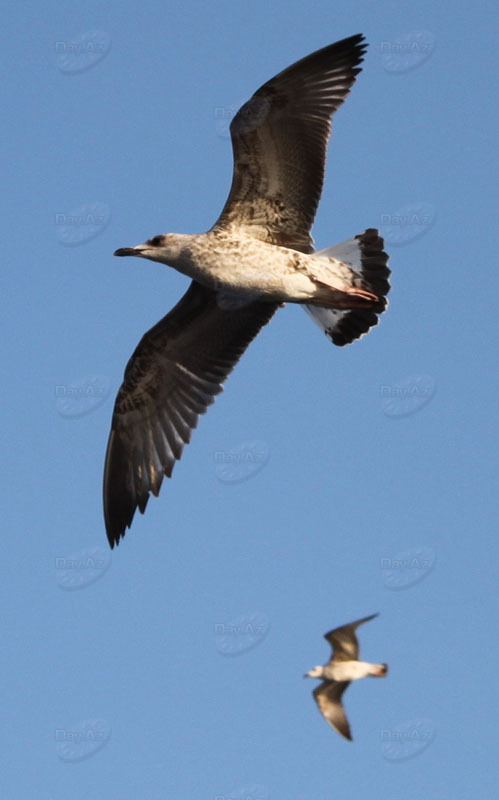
(156, 241)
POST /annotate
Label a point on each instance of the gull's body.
(241, 264)
(258, 255)
(343, 667)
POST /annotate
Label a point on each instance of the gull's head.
(166, 247)
(316, 672)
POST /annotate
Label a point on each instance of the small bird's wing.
(279, 140)
(328, 698)
(344, 640)
(172, 377)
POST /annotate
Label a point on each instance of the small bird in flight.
(337, 674)
(257, 256)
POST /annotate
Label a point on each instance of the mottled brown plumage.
(257, 255)
(172, 377)
(279, 139)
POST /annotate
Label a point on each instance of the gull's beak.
(129, 251)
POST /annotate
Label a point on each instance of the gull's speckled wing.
(328, 698)
(172, 377)
(344, 640)
(279, 139)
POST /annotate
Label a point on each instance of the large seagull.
(258, 255)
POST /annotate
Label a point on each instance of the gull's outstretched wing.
(344, 640)
(279, 139)
(172, 377)
(328, 698)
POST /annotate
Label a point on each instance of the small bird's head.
(316, 672)
(166, 248)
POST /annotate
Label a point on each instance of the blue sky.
(325, 484)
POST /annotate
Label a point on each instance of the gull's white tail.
(365, 255)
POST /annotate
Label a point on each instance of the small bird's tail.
(365, 255)
(379, 670)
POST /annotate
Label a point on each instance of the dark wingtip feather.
(119, 501)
